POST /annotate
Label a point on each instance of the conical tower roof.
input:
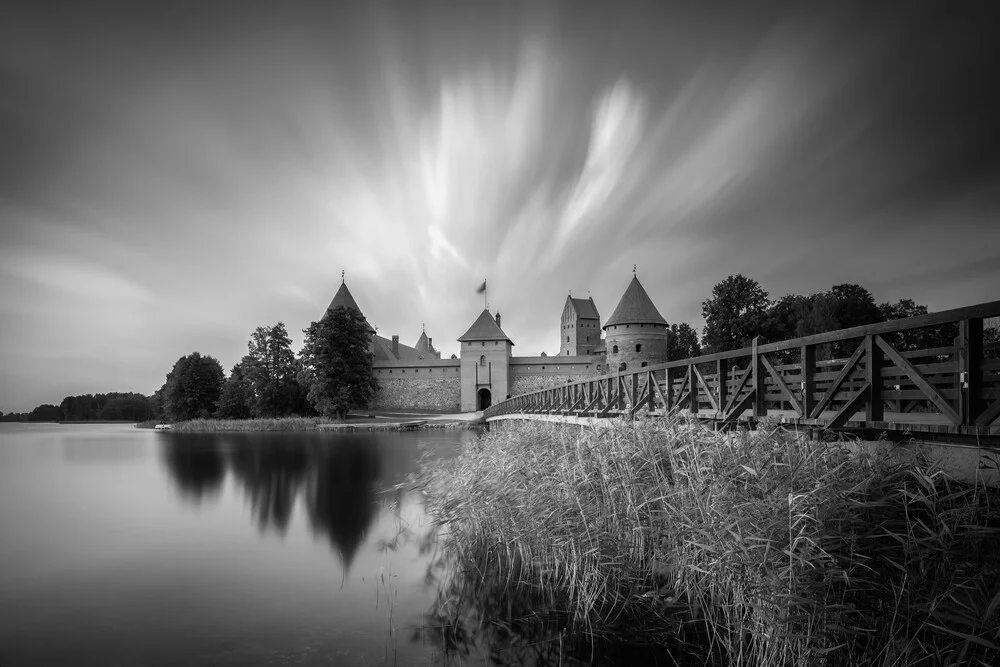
(424, 344)
(635, 307)
(343, 297)
(485, 328)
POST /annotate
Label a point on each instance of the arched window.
(482, 360)
(614, 350)
(567, 339)
(621, 366)
(638, 347)
(643, 364)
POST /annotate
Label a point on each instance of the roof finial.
(342, 280)
(633, 269)
(423, 328)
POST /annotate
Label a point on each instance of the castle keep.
(486, 370)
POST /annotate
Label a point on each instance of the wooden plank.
(930, 392)
(989, 415)
(692, 383)
(738, 409)
(681, 391)
(759, 406)
(708, 392)
(835, 385)
(807, 357)
(853, 405)
(665, 398)
(722, 371)
(968, 376)
(782, 387)
(873, 377)
(739, 387)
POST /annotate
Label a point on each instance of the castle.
(486, 369)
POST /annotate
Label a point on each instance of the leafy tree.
(193, 387)
(271, 371)
(236, 400)
(45, 412)
(734, 315)
(854, 306)
(916, 339)
(682, 342)
(337, 363)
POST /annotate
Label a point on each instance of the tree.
(682, 342)
(271, 370)
(193, 387)
(337, 363)
(45, 412)
(236, 399)
(734, 314)
(915, 339)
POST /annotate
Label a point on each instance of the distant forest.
(265, 383)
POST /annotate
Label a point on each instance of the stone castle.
(486, 370)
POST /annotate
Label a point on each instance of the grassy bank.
(752, 548)
(247, 425)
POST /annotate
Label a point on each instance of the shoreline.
(354, 423)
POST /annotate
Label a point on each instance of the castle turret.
(579, 327)
(636, 333)
(486, 352)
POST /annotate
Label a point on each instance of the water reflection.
(338, 479)
(271, 470)
(196, 465)
(340, 495)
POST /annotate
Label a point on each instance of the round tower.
(635, 334)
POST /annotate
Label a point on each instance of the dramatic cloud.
(172, 179)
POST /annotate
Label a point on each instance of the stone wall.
(415, 392)
(525, 384)
(427, 384)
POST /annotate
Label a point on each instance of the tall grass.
(247, 425)
(750, 548)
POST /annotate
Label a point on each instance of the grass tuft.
(746, 548)
(247, 425)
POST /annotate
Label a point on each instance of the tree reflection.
(271, 469)
(341, 494)
(195, 464)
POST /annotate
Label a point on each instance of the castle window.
(482, 360)
(643, 364)
(482, 344)
(567, 339)
(390, 370)
(638, 347)
(543, 368)
(567, 353)
(621, 366)
(588, 339)
(614, 350)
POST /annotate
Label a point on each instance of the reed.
(247, 425)
(747, 548)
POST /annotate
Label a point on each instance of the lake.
(123, 546)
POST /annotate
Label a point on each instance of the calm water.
(121, 546)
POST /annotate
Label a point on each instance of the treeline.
(331, 375)
(113, 406)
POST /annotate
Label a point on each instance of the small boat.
(406, 426)
(162, 427)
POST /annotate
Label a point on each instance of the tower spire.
(342, 279)
(633, 269)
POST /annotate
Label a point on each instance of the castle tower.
(580, 327)
(485, 366)
(343, 297)
(636, 333)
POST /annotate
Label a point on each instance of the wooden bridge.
(865, 379)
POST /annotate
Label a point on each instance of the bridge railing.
(823, 379)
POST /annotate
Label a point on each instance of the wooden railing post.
(693, 389)
(635, 389)
(759, 405)
(969, 375)
(722, 371)
(808, 359)
(668, 390)
(873, 376)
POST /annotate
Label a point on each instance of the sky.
(174, 175)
